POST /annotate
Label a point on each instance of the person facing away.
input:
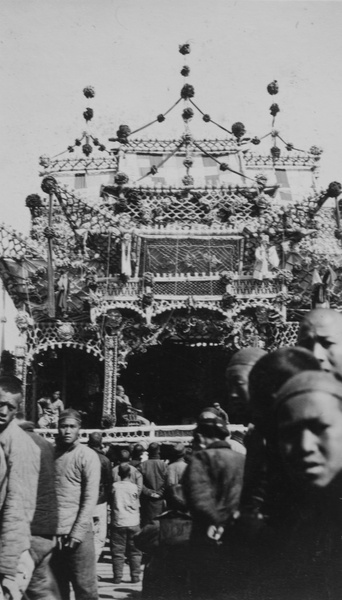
(49, 409)
(44, 524)
(134, 473)
(154, 480)
(321, 332)
(222, 413)
(237, 374)
(212, 485)
(105, 490)
(77, 472)
(125, 524)
(307, 552)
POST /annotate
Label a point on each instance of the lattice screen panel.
(196, 255)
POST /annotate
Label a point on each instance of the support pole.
(51, 283)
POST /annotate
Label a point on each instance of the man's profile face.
(68, 430)
(321, 332)
(56, 395)
(310, 438)
(237, 383)
(9, 404)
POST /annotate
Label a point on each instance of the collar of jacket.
(219, 444)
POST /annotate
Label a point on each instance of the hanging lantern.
(274, 109)
(273, 88)
(187, 91)
(154, 170)
(238, 130)
(50, 233)
(71, 149)
(187, 114)
(160, 118)
(185, 71)
(206, 118)
(87, 149)
(224, 167)
(289, 147)
(96, 141)
(88, 114)
(184, 49)
(315, 151)
(89, 91)
(102, 147)
(255, 140)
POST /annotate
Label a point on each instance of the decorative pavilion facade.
(172, 253)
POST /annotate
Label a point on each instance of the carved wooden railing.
(171, 434)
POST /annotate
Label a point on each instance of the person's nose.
(319, 352)
(307, 442)
(4, 411)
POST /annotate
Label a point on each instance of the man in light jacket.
(77, 470)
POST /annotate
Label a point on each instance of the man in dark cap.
(212, 484)
(77, 470)
(321, 332)
(100, 512)
(237, 374)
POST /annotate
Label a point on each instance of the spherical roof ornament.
(187, 91)
(49, 184)
(274, 109)
(334, 189)
(184, 49)
(273, 87)
(238, 130)
(89, 91)
(88, 114)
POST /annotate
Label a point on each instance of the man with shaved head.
(321, 332)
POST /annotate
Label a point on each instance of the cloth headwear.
(246, 356)
(210, 417)
(95, 439)
(70, 413)
(179, 450)
(308, 381)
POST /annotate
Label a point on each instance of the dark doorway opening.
(78, 375)
(171, 383)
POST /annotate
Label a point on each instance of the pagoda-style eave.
(251, 192)
(87, 165)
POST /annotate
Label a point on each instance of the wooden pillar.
(111, 374)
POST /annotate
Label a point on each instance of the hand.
(155, 495)
(73, 543)
(215, 533)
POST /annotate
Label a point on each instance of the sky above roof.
(128, 50)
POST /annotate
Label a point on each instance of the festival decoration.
(87, 149)
(89, 91)
(273, 88)
(184, 49)
(275, 151)
(188, 180)
(122, 134)
(88, 114)
(48, 184)
(121, 178)
(206, 118)
(160, 118)
(65, 332)
(274, 109)
(187, 91)
(35, 204)
(44, 160)
(238, 130)
(185, 71)
(187, 114)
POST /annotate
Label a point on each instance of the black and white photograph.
(171, 300)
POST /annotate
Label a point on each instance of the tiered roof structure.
(202, 242)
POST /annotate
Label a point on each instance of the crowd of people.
(227, 518)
